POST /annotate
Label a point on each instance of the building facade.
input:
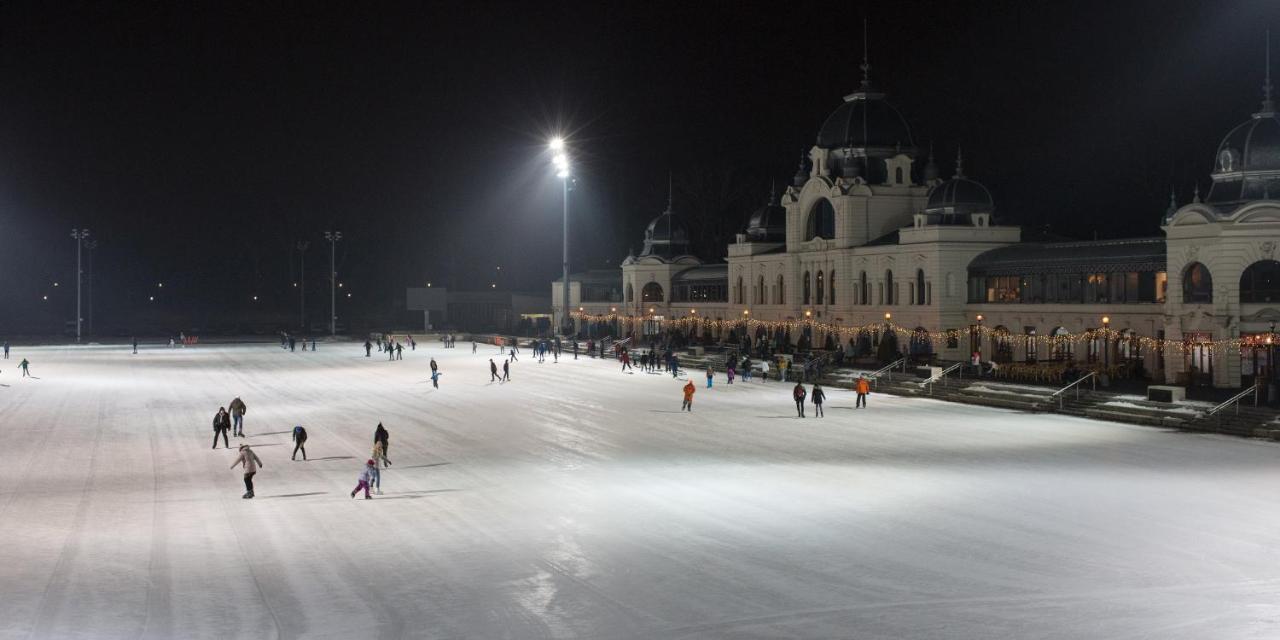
(869, 233)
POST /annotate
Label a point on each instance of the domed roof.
(959, 195)
(1246, 160)
(768, 223)
(666, 236)
(865, 120)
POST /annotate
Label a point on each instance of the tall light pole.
(91, 245)
(561, 162)
(302, 286)
(333, 237)
(80, 235)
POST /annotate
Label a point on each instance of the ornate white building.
(865, 230)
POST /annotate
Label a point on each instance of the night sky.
(200, 142)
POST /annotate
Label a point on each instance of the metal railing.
(1092, 375)
(959, 366)
(1235, 400)
(886, 371)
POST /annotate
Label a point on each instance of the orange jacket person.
(688, 396)
(863, 388)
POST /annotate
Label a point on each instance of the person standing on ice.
(710, 376)
(391, 352)
(863, 388)
(313, 344)
(689, 390)
(799, 394)
(251, 462)
(626, 360)
(238, 409)
(675, 365)
(575, 348)
(473, 347)
(380, 435)
(6, 349)
(135, 347)
(493, 371)
(435, 374)
(24, 365)
(221, 425)
(375, 479)
(368, 347)
(506, 370)
(362, 482)
(731, 368)
(746, 369)
(299, 443)
(817, 397)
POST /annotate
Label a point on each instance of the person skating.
(435, 378)
(746, 369)
(135, 346)
(399, 351)
(25, 366)
(391, 352)
(368, 348)
(730, 370)
(376, 478)
(710, 377)
(304, 345)
(863, 387)
(644, 362)
(513, 352)
(221, 425)
(506, 371)
(799, 394)
(379, 339)
(675, 365)
(626, 360)
(689, 390)
(493, 371)
(237, 409)
(313, 344)
(366, 476)
(380, 435)
(473, 347)
(575, 348)
(293, 344)
(817, 397)
(6, 349)
(299, 443)
(251, 462)
(764, 370)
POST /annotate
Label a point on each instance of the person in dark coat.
(493, 371)
(506, 370)
(221, 425)
(818, 396)
(380, 435)
(300, 442)
(799, 394)
(368, 347)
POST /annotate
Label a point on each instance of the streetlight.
(1106, 342)
(561, 161)
(333, 237)
(80, 235)
(302, 290)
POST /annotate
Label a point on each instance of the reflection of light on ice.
(578, 502)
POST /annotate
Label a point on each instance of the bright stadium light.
(556, 144)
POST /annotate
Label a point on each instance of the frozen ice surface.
(577, 502)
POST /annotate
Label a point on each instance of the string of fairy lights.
(1052, 342)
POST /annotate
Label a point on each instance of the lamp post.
(976, 342)
(1106, 342)
(333, 237)
(561, 161)
(90, 245)
(302, 284)
(80, 235)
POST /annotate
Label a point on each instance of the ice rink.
(578, 502)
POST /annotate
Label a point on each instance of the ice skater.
(506, 371)
(710, 376)
(313, 344)
(730, 370)
(375, 479)
(25, 366)
(251, 462)
(380, 435)
(299, 443)
(221, 425)
(746, 369)
(863, 388)
(238, 409)
(434, 368)
(817, 397)
(626, 361)
(689, 390)
(135, 346)
(675, 365)
(6, 349)
(366, 475)
(368, 348)
(399, 351)
(799, 394)
(473, 347)
(493, 370)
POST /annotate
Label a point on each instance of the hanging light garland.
(1058, 342)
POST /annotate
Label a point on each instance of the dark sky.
(200, 142)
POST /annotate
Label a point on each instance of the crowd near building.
(870, 238)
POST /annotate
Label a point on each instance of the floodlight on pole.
(560, 160)
(333, 237)
(80, 236)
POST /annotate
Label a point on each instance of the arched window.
(1060, 346)
(831, 284)
(919, 286)
(820, 287)
(806, 288)
(1197, 284)
(822, 220)
(1261, 282)
(780, 295)
(760, 292)
(897, 174)
(888, 286)
(651, 292)
(737, 292)
(864, 291)
(631, 293)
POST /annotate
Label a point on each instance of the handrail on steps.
(887, 371)
(1235, 400)
(1092, 375)
(959, 366)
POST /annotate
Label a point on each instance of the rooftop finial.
(670, 191)
(773, 191)
(959, 162)
(1173, 200)
(1196, 197)
(866, 61)
(1268, 106)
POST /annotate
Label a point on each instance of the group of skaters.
(288, 342)
(450, 341)
(393, 347)
(649, 360)
(24, 365)
(817, 396)
(231, 418)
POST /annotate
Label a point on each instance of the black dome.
(768, 222)
(960, 195)
(865, 120)
(1246, 160)
(666, 237)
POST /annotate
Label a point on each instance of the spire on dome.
(1268, 106)
(866, 61)
(1173, 201)
(1196, 197)
(801, 176)
(959, 163)
(931, 167)
(671, 191)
